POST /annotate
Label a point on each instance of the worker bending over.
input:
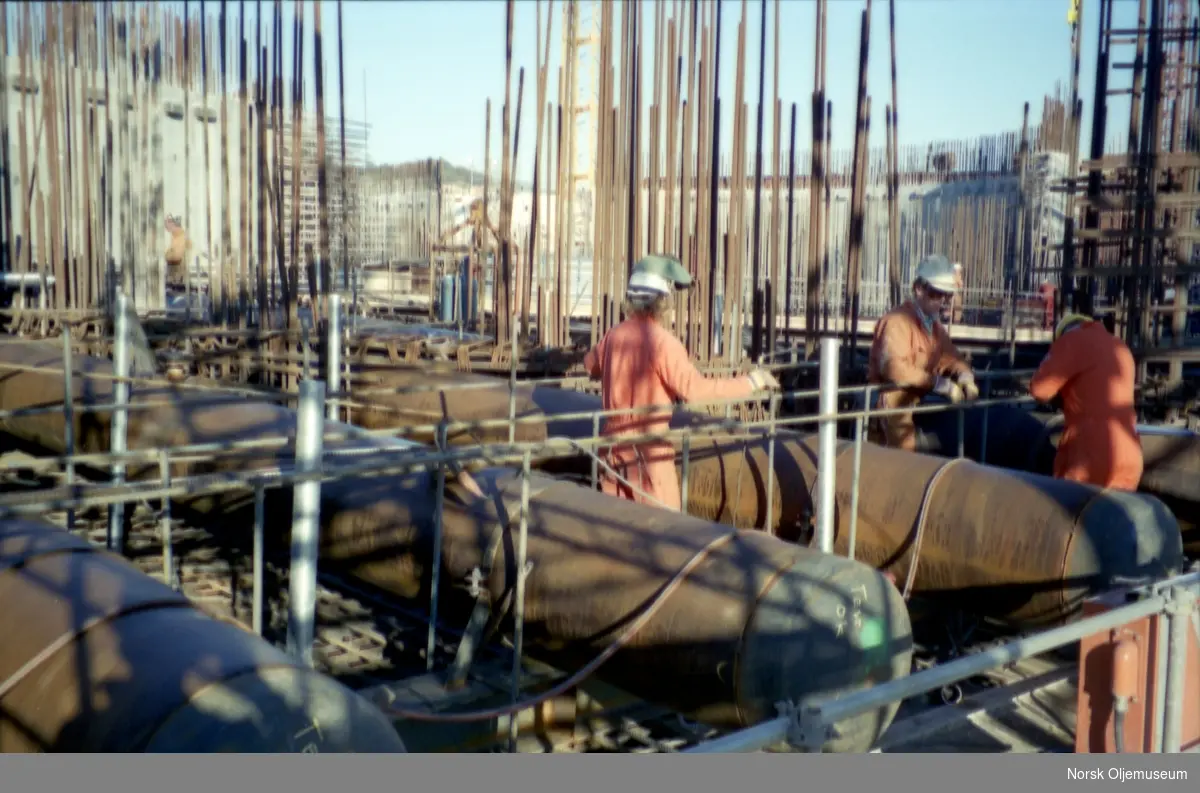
(639, 364)
(912, 350)
(1093, 372)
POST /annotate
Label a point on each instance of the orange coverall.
(903, 353)
(1094, 373)
(640, 364)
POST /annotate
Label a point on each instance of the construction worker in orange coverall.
(912, 349)
(640, 364)
(1093, 372)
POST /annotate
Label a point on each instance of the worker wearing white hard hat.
(912, 350)
(640, 363)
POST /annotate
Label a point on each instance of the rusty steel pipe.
(759, 620)
(1017, 547)
(1026, 440)
(385, 411)
(972, 531)
(84, 668)
(24, 389)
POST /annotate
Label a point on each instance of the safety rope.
(64, 639)
(647, 614)
(915, 556)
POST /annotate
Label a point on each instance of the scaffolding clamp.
(475, 581)
(806, 731)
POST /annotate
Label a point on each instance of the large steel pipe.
(1013, 546)
(1017, 547)
(1026, 440)
(759, 620)
(379, 405)
(99, 657)
(28, 378)
(31, 377)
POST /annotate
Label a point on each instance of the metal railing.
(809, 725)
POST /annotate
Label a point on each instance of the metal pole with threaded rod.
(306, 511)
(827, 443)
(334, 351)
(68, 415)
(1179, 622)
(120, 419)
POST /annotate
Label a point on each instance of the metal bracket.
(806, 731)
(475, 581)
(1181, 603)
(472, 639)
(482, 622)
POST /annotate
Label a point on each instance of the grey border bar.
(986, 773)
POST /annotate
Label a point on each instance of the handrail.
(809, 723)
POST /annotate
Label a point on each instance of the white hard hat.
(938, 273)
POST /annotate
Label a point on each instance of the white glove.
(763, 380)
(967, 383)
(947, 388)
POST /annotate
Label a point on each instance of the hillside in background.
(451, 174)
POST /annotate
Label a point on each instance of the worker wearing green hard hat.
(641, 364)
(655, 276)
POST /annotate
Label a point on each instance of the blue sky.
(420, 71)
(965, 67)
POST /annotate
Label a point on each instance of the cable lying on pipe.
(587, 669)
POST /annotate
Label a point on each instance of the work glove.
(763, 380)
(967, 383)
(949, 389)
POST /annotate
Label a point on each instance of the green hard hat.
(659, 274)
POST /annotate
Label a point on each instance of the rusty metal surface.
(25, 389)
(383, 410)
(999, 543)
(1172, 473)
(1026, 440)
(173, 416)
(369, 641)
(995, 540)
(30, 377)
(1000, 553)
(755, 623)
(84, 668)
